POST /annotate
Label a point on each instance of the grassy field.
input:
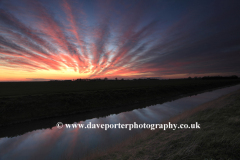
(24, 101)
(218, 138)
(33, 88)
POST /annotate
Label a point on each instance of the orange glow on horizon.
(40, 75)
(67, 39)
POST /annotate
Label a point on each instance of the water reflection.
(59, 143)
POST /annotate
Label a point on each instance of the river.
(54, 143)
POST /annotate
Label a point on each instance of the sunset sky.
(71, 39)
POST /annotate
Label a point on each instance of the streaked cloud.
(120, 38)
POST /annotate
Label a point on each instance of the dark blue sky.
(150, 38)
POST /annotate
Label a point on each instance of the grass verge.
(218, 138)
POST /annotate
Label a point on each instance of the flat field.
(24, 101)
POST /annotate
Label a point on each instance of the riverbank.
(218, 137)
(46, 102)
